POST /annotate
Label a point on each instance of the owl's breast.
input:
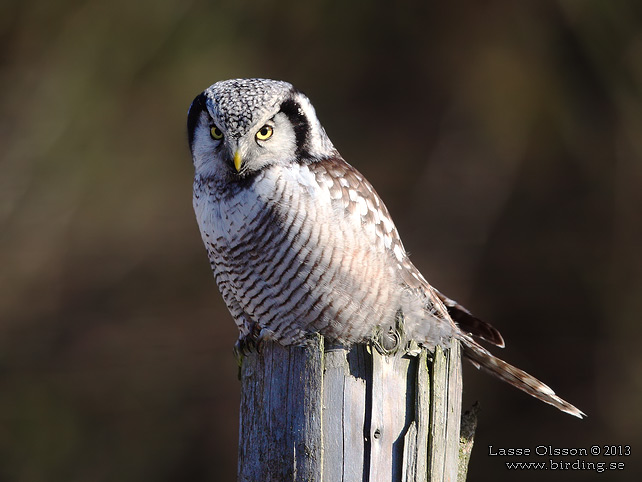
(228, 220)
(296, 259)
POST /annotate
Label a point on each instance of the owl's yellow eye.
(216, 133)
(264, 133)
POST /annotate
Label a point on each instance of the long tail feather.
(481, 357)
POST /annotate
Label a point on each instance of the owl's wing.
(364, 213)
(469, 323)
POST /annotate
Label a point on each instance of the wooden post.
(331, 414)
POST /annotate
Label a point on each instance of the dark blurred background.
(505, 138)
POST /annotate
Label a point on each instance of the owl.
(301, 243)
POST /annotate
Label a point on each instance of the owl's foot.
(250, 343)
(245, 345)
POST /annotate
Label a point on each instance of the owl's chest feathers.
(287, 247)
(291, 210)
(239, 220)
(229, 219)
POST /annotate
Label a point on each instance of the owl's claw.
(250, 343)
(243, 347)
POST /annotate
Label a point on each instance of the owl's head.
(238, 127)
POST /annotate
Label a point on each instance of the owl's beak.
(237, 161)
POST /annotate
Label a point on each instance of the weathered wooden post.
(331, 414)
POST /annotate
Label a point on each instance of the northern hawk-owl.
(300, 242)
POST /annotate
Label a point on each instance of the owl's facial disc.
(268, 142)
(241, 126)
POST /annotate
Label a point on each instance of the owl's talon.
(243, 347)
(249, 343)
(262, 337)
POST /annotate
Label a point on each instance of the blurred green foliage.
(505, 137)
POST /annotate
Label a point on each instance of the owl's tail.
(482, 358)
